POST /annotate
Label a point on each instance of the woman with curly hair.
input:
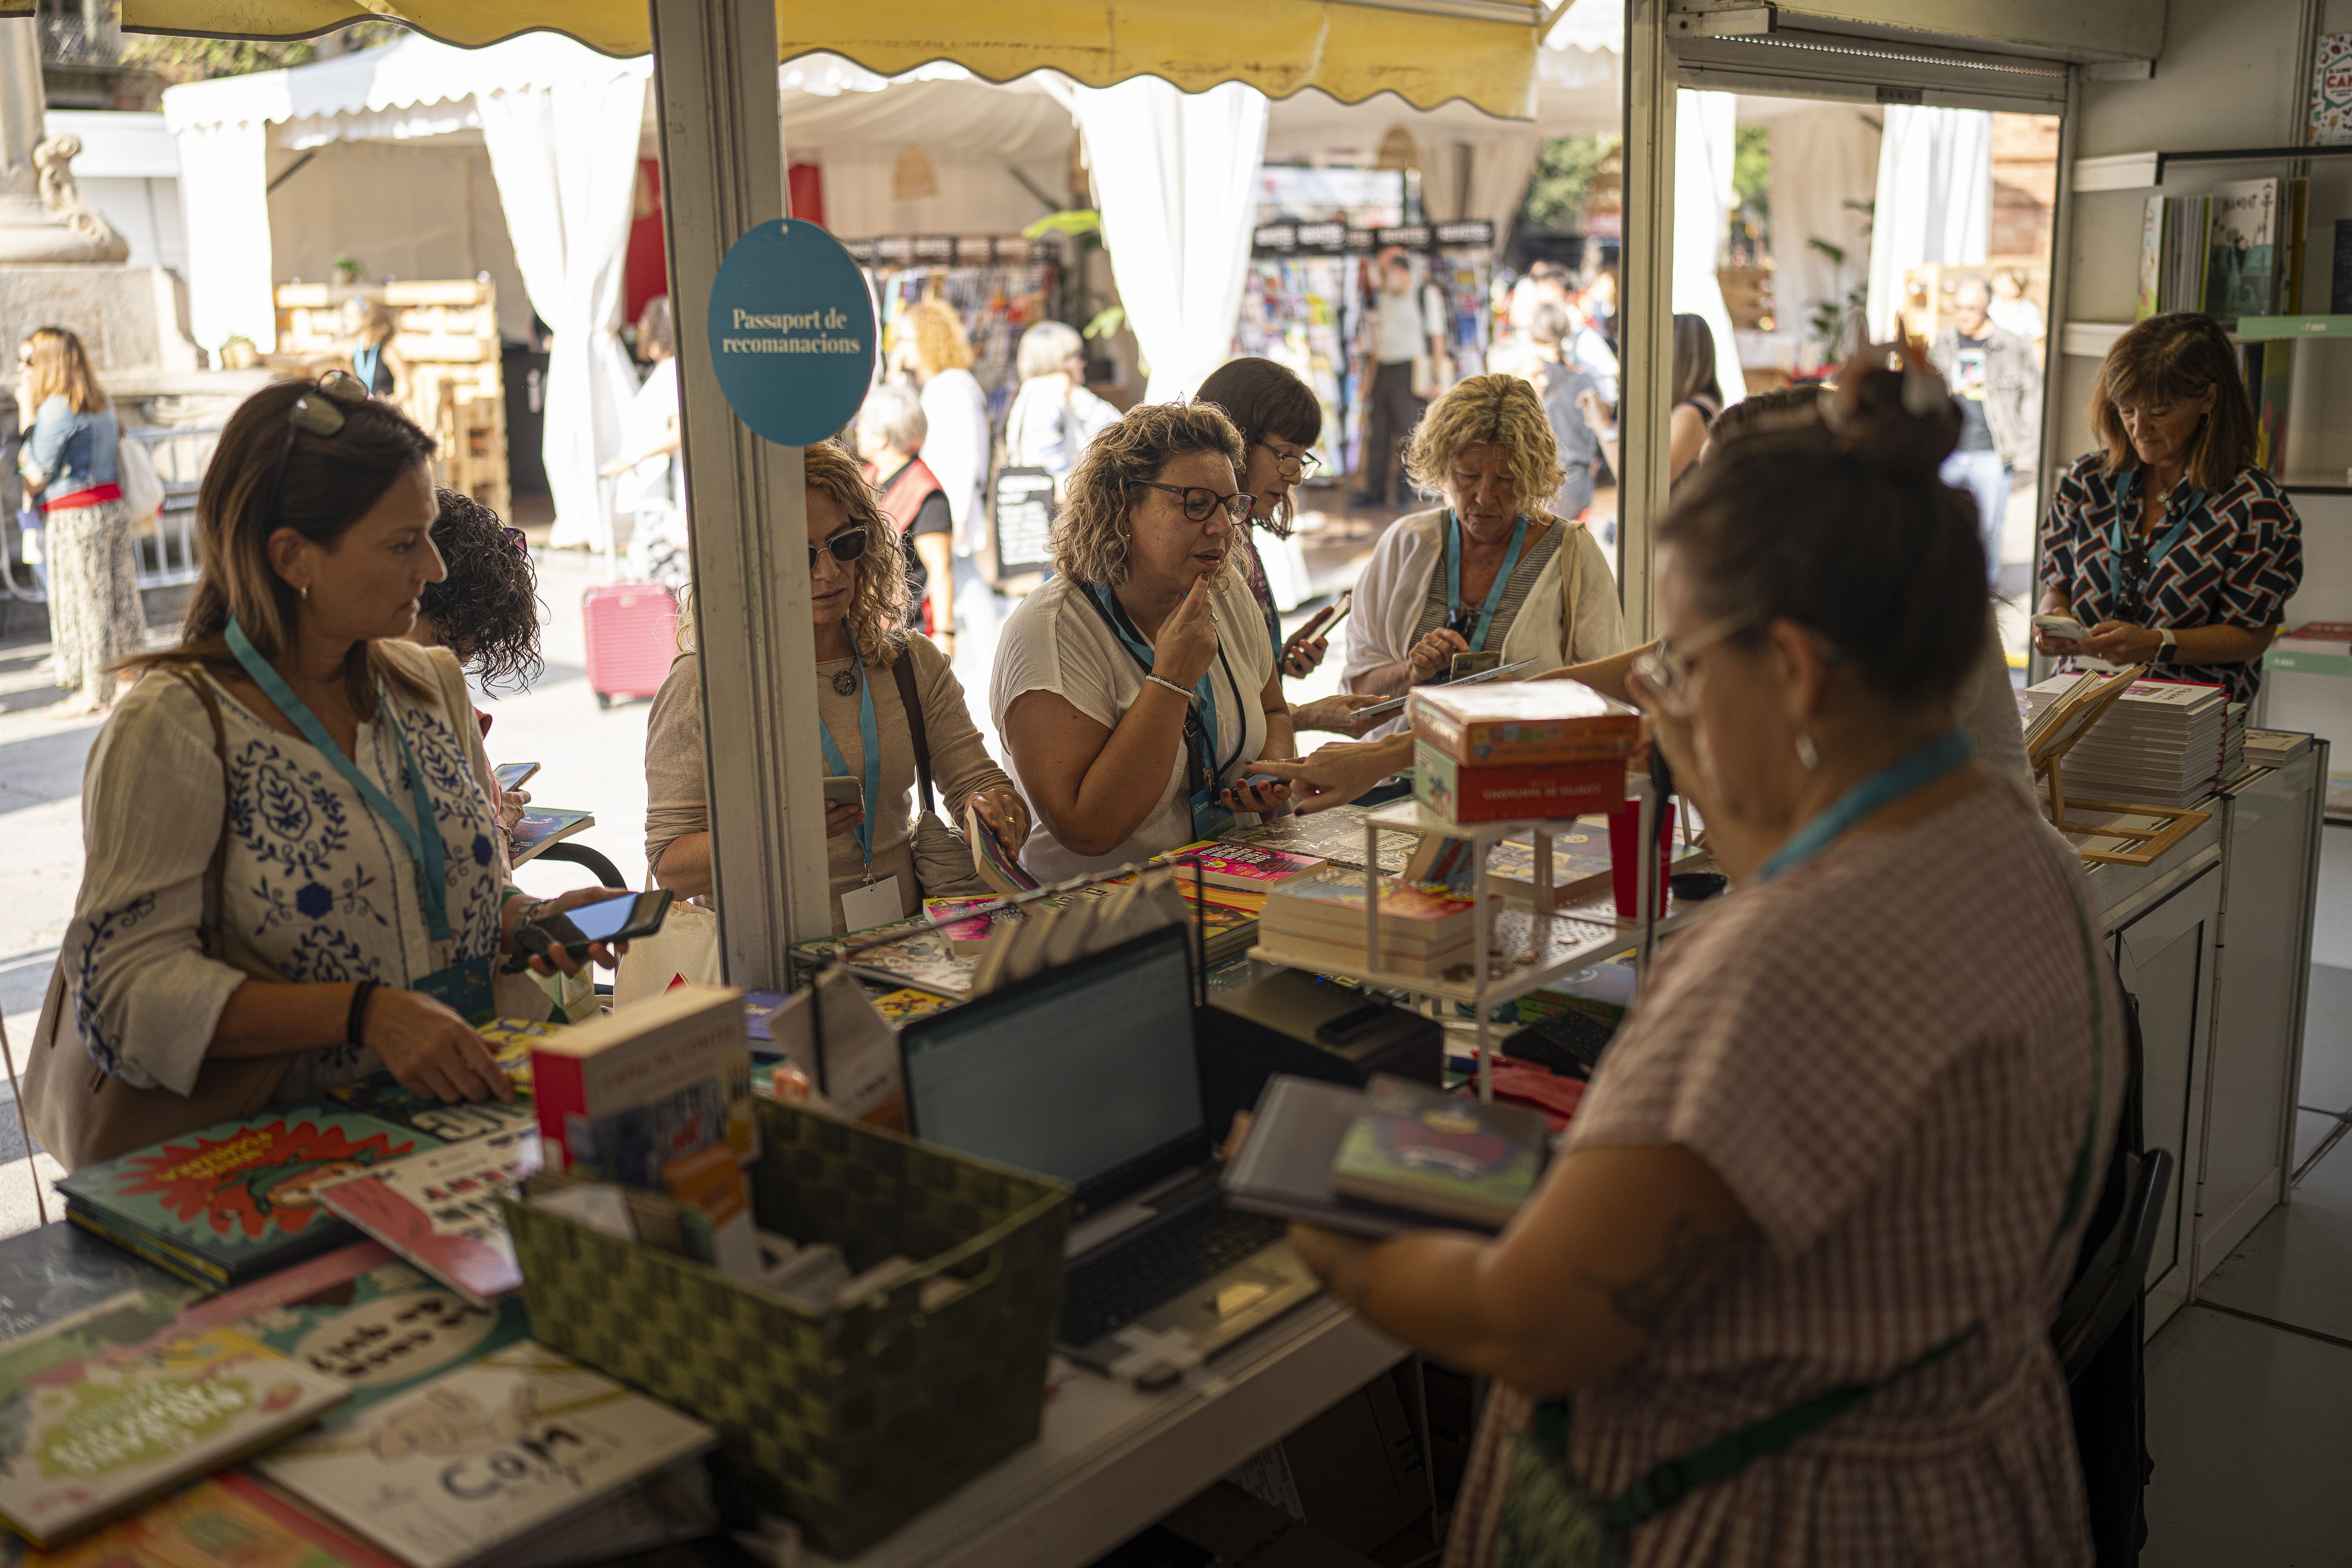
(1492, 568)
(1136, 688)
(487, 610)
(858, 593)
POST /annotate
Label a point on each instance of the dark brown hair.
(1695, 360)
(1264, 399)
(331, 482)
(2174, 357)
(1760, 412)
(1841, 525)
(487, 610)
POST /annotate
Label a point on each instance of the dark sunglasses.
(319, 411)
(1200, 502)
(847, 546)
(516, 538)
(1290, 468)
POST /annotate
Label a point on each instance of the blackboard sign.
(1022, 505)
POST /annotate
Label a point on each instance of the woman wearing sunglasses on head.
(293, 876)
(865, 662)
(1137, 689)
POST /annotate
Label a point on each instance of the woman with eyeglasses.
(1137, 689)
(866, 661)
(293, 874)
(1279, 417)
(68, 469)
(1491, 570)
(1785, 1292)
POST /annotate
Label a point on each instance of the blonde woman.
(376, 364)
(857, 589)
(67, 462)
(955, 411)
(1483, 571)
(1137, 688)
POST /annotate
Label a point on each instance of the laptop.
(1088, 1073)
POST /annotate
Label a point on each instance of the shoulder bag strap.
(1571, 582)
(902, 671)
(215, 929)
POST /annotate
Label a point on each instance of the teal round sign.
(791, 332)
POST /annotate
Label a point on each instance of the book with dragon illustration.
(220, 1205)
(108, 1410)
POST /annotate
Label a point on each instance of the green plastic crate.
(850, 1423)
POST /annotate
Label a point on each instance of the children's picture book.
(439, 1209)
(621, 1097)
(2151, 260)
(55, 1270)
(464, 1468)
(107, 1410)
(2331, 89)
(995, 865)
(540, 829)
(228, 1521)
(2242, 250)
(452, 1120)
(1247, 868)
(967, 931)
(1445, 1155)
(1335, 835)
(237, 1200)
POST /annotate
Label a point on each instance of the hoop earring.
(1808, 752)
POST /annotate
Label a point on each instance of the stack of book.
(2234, 742)
(1523, 750)
(2313, 648)
(2161, 744)
(1318, 919)
(2274, 748)
(2236, 251)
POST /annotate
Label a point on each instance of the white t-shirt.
(1056, 643)
(1403, 324)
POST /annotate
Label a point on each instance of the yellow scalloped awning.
(1428, 52)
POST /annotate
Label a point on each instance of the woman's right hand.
(1434, 655)
(1187, 638)
(841, 819)
(2056, 647)
(429, 1049)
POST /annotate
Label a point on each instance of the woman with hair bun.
(1784, 1294)
(2169, 543)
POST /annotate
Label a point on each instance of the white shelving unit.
(1535, 947)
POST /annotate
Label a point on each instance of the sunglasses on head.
(847, 546)
(319, 411)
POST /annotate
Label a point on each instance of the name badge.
(464, 988)
(875, 904)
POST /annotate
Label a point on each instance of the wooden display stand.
(447, 332)
(2075, 716)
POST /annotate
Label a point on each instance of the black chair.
(604, 870)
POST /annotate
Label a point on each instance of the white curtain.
(1824, 178)
(1704, 142)
(1176, 174)
(224, 195)
(1935, 199)
(1498, 166)
(566, 154)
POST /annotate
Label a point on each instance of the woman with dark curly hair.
(487, 610)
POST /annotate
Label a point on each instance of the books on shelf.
(2331, 91)
(1335, 836)
(439, 1209)
(2274, 748)
(2173, 253)
(1523, 722)
(2243, 250)
(537, 829)
(1519, 791)
(2162, 743)
(1321, 917)
(2268, 369)
(224, 1204)
(522, 1457)
(2339, 275)
(1250, 868)
(109, 1409)
(620, 1097)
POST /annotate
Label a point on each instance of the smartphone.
(513, 774)
(2065, 626)
(1465, 666)
(842, 790)
(623, 918)
(1321, 623)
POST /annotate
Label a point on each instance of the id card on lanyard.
(876, 902)
(463, 987)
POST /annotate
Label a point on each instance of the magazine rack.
(2145, 832)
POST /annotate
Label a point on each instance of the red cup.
(1624, 871)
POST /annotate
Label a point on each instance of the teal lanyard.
(870, 738)
(1892, 782)
(1495, 593)
(2127, 504)
(423, 847)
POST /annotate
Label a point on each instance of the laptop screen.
(1086, 1073)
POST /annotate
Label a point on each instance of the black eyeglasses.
(1198, 501)
(319, 411)
(847, 546)
(1290, 468)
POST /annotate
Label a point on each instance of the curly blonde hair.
(1090, 537)
(937, 338)
(1497, 410)
(879, 603)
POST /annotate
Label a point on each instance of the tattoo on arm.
(1686, 1260)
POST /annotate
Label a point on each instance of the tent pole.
(1645, 290)
(723, 172)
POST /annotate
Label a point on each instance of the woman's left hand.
(1265, 796)
(510, 805)
(1006, 817)
(556, 958)
(2121, 642)
(1337, 713)
(1301, 659)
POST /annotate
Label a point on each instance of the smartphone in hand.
(2062, 626)
(514, 775)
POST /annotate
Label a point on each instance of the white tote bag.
(142, 492)
(686, 947)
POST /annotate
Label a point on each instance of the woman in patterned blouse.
(2169, 543)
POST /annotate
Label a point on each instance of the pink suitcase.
(632, 634)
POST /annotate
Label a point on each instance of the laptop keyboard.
(1111, 1290)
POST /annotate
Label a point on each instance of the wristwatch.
(2168, 643)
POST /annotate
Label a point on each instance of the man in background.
(1407, 325)
(1991, 372)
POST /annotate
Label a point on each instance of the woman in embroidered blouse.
(315, 529)
(2168, 543)
(1847, 1134)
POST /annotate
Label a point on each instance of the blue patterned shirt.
(2238, 562)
